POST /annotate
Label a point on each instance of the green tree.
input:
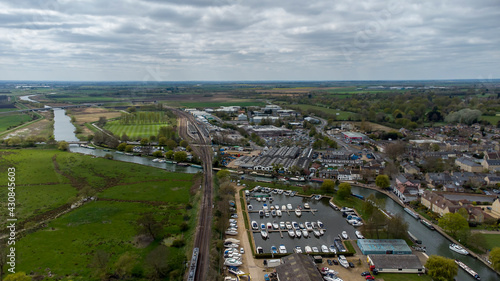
(148, 225)
(162, 141)
(344, 190)
(62, 145)
(129, 148)
(171, 144)
(121, 146)
(124, 265)
(102, 121)
(144, 141)
(158, 154)
(180, 156)
(223, 174)
(495, 258)
(382, 181)
(169, 154)
(184, 143)
(328, 186)
(441, 268)
(19, 276)
(455, 225)
(3, 260)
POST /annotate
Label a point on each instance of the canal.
(63, 129)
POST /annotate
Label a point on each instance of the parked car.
(369, 277)
(366, 273)
(351, 265)
(335, 262)
(329, 262)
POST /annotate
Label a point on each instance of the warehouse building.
(395, 263)
(298, 267)
(354, 137)
(384, 246)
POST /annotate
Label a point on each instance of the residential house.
(407, 190)
(435, 179)
(491, 165)
(468, 164)
(437, 203)
(492, 179)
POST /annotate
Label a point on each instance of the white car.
(242, 251)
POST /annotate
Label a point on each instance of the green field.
(12, 120)
(342, 115)
(243, 103)
(492, 240)
(134, 131)
(48, 179)
(492, 119)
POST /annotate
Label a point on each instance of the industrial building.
(354, 136)
(384, 246)
(395, 263)
(268, 131)
(285, 157)
(298, 267)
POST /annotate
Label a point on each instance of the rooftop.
(298, 267)
(396, 261)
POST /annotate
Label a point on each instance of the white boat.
(458, 249)
(333, 249)
(315, 249)
(289, 206)
(250, 207)
(308, 249)
(273, 213)
(269, 225)
(276, 207)
(359, 235)
(278, 213)
(264, 234)
(411, 213)
(283, 207)
(298, 233)
(259, 199)
(346, 209)
(264, 199)
(288, 225)
(265, 207)
(275, 225)
(306, 206)
(301, 225)
(344, 235)
(468, 269)
(255, 226)
(291, 233)
(298, 212)
(305, 233)
(316, 233)
(357, 223)
(295, 225)
(282, 249)
(314, 225)
(282, 225)
(235, 271)
(324, 249)
(231, 245)
(232, 262)
(266, 214)
(318, 197)
(309, 226)
(260, 250)
(261, 213)
(232, 240)
(231, 232)
(297, 250)
(343, 261)
(320, 224)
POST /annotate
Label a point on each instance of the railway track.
(199, 270)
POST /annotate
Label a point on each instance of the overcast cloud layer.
(154, 40)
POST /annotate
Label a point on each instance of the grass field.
(243, 103)
(492, 240)
(134, 131)
(11, 120)
(47, 179)
(492, 119)
(342, 115)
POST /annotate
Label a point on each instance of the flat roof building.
(384, 246)
(354, 136)
(396, 263)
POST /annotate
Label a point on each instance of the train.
(192, 266)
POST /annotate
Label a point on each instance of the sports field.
(134, 131)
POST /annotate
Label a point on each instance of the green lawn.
(403, 277)
(492, 119)
(219, 104)
(342, 115)
(67, 244)
(12, 120)
(134, 131)
(492, 240)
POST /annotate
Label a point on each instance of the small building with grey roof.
(298, 267)
(396, 263)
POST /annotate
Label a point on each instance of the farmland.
(11, 120)
(341, 115)
(48, 179)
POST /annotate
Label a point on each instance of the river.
(63, 129)
(436, 243)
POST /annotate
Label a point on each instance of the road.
(201, 145)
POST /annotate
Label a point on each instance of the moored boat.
(278, 213)
(411, 213)
(297, 250)
(306, 206)
(255, 226)
(324, 249)
(468, 269)
(298, 233)
(359, 235)
(343, 261)
(427, 224)
(458, 249)
(264, 234)
(344, 235)
(274, 250)
(298, 212)
(291, 233)
(305, 233)
(308, 249)
(333, 249)
(282, 249)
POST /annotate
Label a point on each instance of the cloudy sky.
(166, 40)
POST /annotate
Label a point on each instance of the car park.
(366, 273)
(351, 265)
(329, 262)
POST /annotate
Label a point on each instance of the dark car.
(365, 273)
(329, 262)
(335, 262)
(351, 265)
